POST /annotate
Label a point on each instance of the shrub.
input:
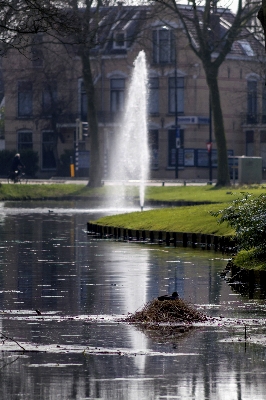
(6, 157)
(247, 216)
(64, 169)
(30, 159)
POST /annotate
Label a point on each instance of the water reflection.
(79, 284)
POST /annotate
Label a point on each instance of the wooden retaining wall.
(176, 239)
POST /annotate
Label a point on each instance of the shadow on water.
(249, 283)
(77, 349)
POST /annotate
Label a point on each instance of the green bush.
(30, 159)
(6, 157)
(247, 216)
(64, 169)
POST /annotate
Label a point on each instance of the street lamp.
(209, 144)
(177, 129)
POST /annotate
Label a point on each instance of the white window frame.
(115, 41)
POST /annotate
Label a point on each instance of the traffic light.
(82, 129)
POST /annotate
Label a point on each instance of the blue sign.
(193, 120)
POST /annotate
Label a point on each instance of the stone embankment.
(176, 239)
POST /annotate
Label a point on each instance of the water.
(78, 350)
(130, 154)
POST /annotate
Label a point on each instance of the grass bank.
(206, 193)
(194, 219)
(166, 194)
(47, 191)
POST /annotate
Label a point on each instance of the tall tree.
(72, 21)
(92, 32)
(19, 19)
(50, 102)
(262, 18)
(201, 26)
(86, 37)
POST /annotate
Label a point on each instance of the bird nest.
(167, 311)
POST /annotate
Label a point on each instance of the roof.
(129, 20)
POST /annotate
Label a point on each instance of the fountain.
(129, 159)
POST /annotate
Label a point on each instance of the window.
(117, 94)
(36, 51)
(154, 148)
(154, 95)
(252, 102)
(119, 40)
(24, 140)
(49, 97)
(24, 99)
(263, 148)
(2, 91)
(176, 87)
(250, 143)
(203, 157)
(83, 102)
(172, 148)
(48, 159)
(263, 104)
(163, 46)
(189, 157)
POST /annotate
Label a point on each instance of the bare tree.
(56, 100)
(262, 18)
(74, 22)
(19, 19)
(201, 26)
(94, 23)
(45, 72)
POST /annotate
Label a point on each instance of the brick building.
(44, 94)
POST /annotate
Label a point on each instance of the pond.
(62, 293)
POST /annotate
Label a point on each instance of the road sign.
(209, 146)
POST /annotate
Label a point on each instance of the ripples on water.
(76, 349)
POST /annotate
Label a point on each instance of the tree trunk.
(55, 143)
(95, 171)
(223, 178)
(55, 153)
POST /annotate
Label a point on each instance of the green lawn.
(44, 191)
(194, 219)
(204, 193)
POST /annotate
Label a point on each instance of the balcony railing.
(253, 119)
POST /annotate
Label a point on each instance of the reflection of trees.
(166, 334)
(37, 251)
(215, 284)
(200, 365)
(6, 361)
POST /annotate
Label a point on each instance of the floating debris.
(167, 311)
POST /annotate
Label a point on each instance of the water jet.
(129, 159)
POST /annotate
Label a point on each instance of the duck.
(174, 296)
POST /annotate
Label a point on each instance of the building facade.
(46, 102)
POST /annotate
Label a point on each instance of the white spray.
(130, 152)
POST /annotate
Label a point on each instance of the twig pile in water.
(171, 311)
